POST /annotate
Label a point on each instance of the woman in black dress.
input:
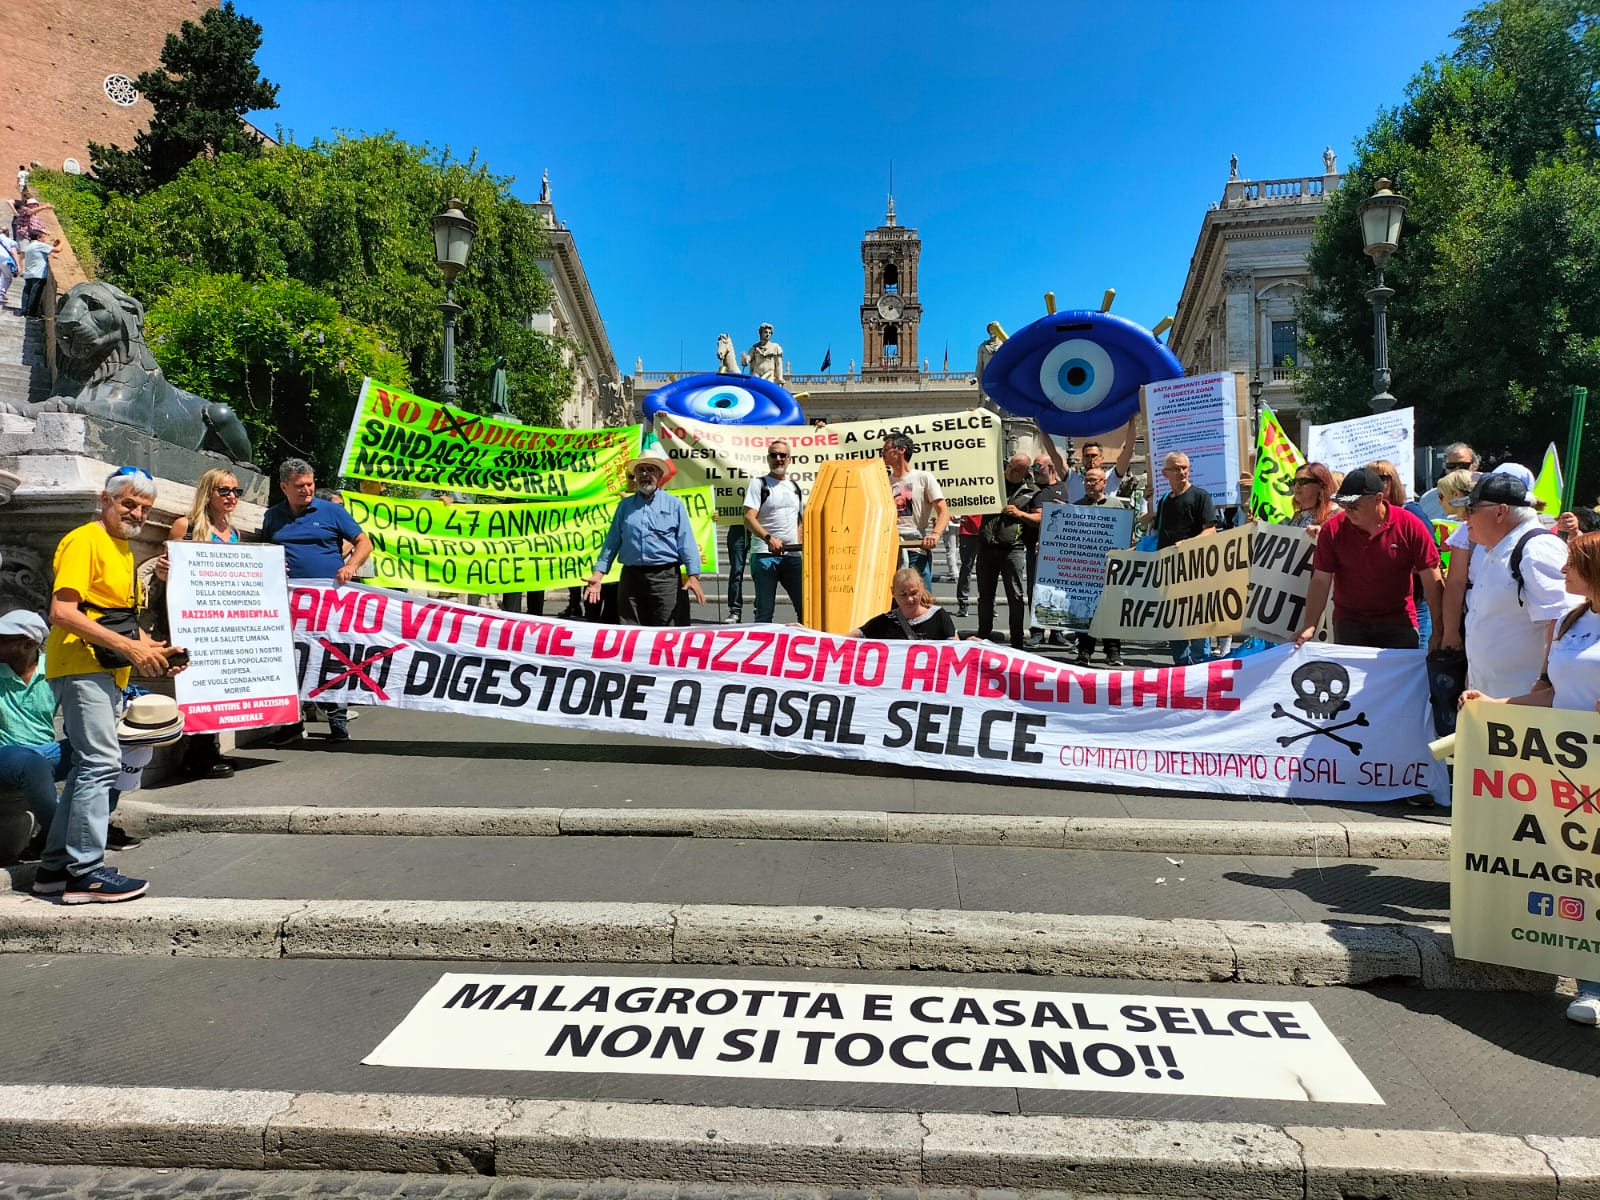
(914, 617)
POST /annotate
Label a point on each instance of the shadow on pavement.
(1359, 889)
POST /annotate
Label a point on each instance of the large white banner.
(228, 606)
(1321, 723)
(961, 450)
(1346, 445)
(1074, 540)
(1198, 416)
(877, 1033)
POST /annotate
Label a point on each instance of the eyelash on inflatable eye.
(1077, 374)
(725, 400)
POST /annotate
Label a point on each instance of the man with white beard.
(651, 536)
(772, 510)
(94, 641)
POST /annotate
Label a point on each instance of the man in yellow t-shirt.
(93, 575)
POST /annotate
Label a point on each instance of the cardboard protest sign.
(228, 606)
(961, 450)
(487, 549)
(1239, 726)
(1199, 416)
(1280, 578)
(399, 438)
(1278, 461)
(1192, 590)
(1346, 445)
(1524, 876)
(1074, 540)
(877, 1034)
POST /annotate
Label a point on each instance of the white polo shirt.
(1505, 639)
(779, 513)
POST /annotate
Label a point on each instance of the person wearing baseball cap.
(30, 756)
(650, 534)
(1366, 555)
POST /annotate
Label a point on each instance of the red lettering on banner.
(1034, 687)
(1177, 696)
(922, 665)
(1150, 685)
(1087, 683)
(1219, 685)
(304, 604)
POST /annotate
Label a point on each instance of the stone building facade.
(68, 77)
(1237, 308)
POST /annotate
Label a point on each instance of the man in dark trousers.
(1185, 512)
(650, 535)
(1002, 556)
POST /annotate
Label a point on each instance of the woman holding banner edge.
(1571, 680)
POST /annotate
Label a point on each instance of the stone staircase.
(24, 375)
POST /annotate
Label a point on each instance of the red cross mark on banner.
(357, 669)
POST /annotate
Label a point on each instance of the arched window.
(891, 278)
(891, 342)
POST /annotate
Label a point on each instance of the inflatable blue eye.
(1077, 374)
(725, 400)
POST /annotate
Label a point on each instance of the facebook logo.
(1541, 904)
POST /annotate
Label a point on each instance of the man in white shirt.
(772, 508)
(36, 254)
(920, 506)
(1093, 456)
(1508, 622)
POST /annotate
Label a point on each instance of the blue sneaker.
(103, 885)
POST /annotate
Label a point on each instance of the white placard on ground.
(867, 1033)
(1346, 445)
(1197, 416)
(228, 606)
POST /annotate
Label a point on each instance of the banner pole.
(1569, 492)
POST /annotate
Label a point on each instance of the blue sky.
(718, 164)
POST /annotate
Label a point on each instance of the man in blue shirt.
(313, 534)
(651, 536)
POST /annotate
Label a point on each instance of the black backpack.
(766, 490)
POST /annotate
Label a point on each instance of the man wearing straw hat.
(650, 535)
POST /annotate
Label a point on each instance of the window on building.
(891, 278)
(891, 342)
(1285, 344)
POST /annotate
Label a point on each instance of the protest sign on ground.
(1074, 540)
(1346, 445)
(487, 549)
(399, 438)
(1320, 723)
(961, 450)
(1192, 590)
(1278, 461)
(1524, 875)
(1198, 416)
(228, 606)
(876, 1034)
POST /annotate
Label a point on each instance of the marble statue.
(727, 360)
(105, 370)
(1233, 166)
(986, 351)
(852, 370)
(1330, 160)
(765, 358)
(544, 187)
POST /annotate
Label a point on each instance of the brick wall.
(52, 87)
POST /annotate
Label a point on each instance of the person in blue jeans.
(738, 555)
(1185, 512)
(773, 505)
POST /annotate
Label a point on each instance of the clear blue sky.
(718, 164)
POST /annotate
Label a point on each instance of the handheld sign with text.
(1198, 416)
(1074, 540)
(1345, 445)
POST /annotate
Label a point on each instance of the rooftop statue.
(105, 370)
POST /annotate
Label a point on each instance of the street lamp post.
(1256, 387)
(1382, 214)
(452, 242)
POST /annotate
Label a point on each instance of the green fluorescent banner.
(396, 437)
(494, 548)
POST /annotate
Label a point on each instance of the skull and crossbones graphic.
(1322, 691)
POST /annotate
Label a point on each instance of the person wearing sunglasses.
(1458, 456)
(210, 519)
(1313, 497)
(1367, 555)
(773, 505)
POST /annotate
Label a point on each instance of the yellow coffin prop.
(852, 543)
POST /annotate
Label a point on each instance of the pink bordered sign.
(228, 606)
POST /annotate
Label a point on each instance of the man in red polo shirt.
(1366, 554)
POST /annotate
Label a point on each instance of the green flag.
(1278, 460)
(1548, 486)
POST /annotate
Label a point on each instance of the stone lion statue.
(727, 361)
(106, 370)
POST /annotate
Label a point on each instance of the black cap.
(1363, 481)
(1500, 489)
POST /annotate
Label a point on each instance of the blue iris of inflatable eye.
(725, 400)
(1077, 374)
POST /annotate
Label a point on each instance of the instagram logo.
(1569, 908)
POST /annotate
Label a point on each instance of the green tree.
(207, 82)
(1497, 306)
(279, 351)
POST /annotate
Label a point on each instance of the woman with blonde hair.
(1571, 680)
(914, 617)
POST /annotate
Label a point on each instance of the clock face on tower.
(890, 307)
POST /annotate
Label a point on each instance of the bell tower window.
(891, 342)
(891, 279)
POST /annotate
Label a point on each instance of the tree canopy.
(1496, 312)
(207, 83)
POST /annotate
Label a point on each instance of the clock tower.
(890, 311)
